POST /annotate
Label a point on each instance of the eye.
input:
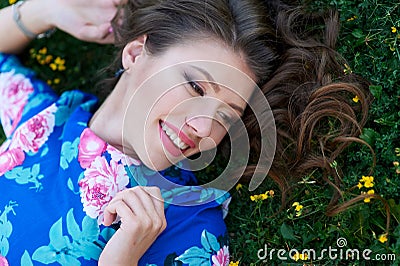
(227, 119)
(197, 88)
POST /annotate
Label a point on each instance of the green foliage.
(372, 50)
(370, 41)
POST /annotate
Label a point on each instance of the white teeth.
(174, 138)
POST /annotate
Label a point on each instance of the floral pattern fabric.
(57, 176)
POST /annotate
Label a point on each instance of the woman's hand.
(87, 20)
(141, 210)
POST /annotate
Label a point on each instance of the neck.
(107, 121)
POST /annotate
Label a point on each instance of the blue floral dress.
(57, 176)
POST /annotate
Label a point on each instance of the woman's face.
(182, 101)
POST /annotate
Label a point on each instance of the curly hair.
(310, 95)
(293, 55)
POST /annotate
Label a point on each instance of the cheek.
(170, 103)
(217, 134)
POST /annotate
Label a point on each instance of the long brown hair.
(310, 94)
(293, 56)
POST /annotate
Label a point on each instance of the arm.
(88, 20)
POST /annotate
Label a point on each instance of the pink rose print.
(101, 182)
(222, 257)
(11, 159)
(90, 147)
(14, 92)
(3, 261)
(34, 133)
(117, 156)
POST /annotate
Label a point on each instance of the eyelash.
(194, 85)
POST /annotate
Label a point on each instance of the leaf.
(72, 226)
(90, 250)
(45, 255)
(195, 256)
(56, 238)
(26, 259)
(368, 135)
(287, 232)
(45, 150)
(70, 185)
(209, 242)
(358, 33)
(35, 170)
(107, 233)
(68, 260)
(5, 228)
(69, 151)
(4, 246)
(376, 90)
(90, 229)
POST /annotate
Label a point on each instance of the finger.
(158, 203)
(146, 204)
(157, 199)
(116, 207)
(95, 33)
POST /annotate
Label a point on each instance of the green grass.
(372, 48)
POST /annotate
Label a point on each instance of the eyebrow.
(216, 88)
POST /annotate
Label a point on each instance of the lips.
(174, 141)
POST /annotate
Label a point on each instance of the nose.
(200, 125)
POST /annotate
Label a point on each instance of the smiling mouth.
(180, 144)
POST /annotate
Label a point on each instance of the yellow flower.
(352, 18)
(396, 164)
(347, 69)
(368, 181)
(259, 197)
(49, 82)
(238, 186)
(368, 184)
(359, 185)
(298, 206)
(59, 61)
(394, 29)
(304, 256)
(12, 2)
(271, 193)
(43, 50)
(234, 263)
(356, 99)
(48, 58)
(370, 192)
(56, 81)
(383, 238)
(299, 256)
(53, 66)
(58, 64)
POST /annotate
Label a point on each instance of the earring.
(119, 72)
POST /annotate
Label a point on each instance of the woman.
(185, 73)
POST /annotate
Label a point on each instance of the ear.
(133, 50)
